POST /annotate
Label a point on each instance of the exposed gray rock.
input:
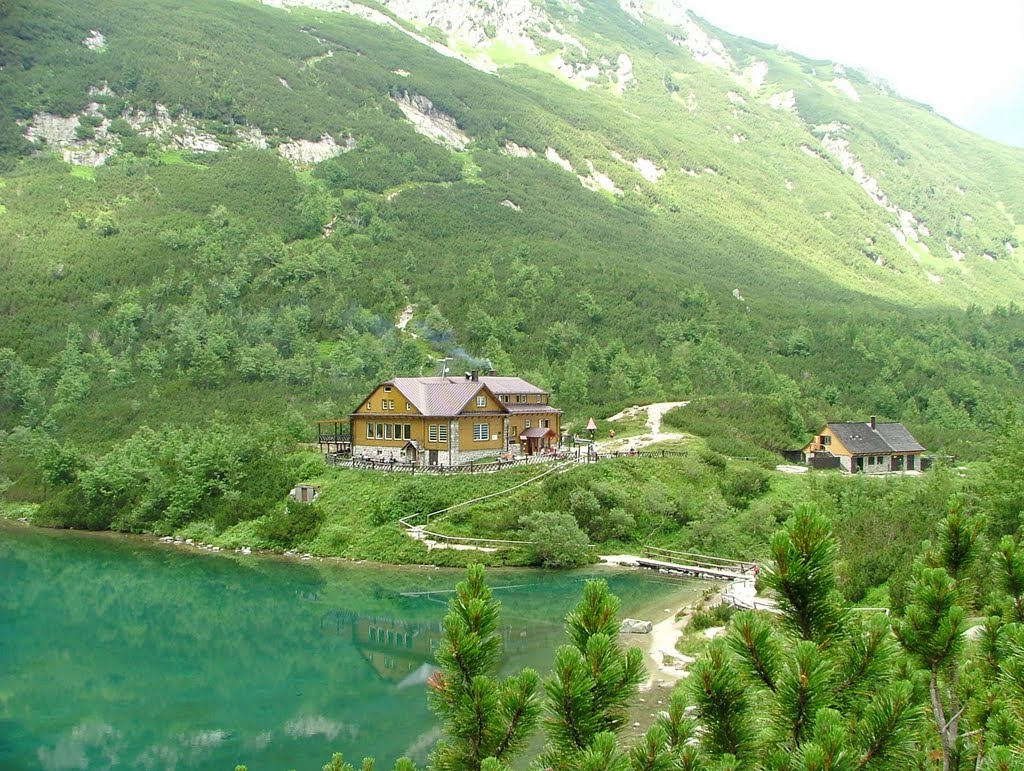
(635, 626)
(517, 151)
(95, 40)
(431, 122)
(302, 152)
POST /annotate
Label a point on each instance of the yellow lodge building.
(448, 421)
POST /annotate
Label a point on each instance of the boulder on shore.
(635, 626)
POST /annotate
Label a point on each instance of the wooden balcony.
(334, 436)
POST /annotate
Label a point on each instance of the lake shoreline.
(180, 543)
(666, 631)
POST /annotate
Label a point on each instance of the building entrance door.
(432, 457)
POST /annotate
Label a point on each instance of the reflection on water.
(122, 653)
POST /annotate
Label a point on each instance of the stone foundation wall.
(376, 452)
(458, 457)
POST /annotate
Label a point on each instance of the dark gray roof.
(537, 433)
(897, 437)
(884, 438)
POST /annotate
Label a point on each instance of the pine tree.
(484, 717)
(816, 696)
(593, 682)
(1009, 560)
(932, 630)
(802, 574)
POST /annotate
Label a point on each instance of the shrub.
(410, 497)
(558, 542)
(69, 508)
(743, 485)
(296, 523)
(121, 127)
(705, 619)
(713, 459)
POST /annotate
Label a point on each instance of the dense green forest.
(185, 291)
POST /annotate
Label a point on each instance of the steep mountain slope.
(226, 206)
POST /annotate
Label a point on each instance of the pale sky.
(965, 59)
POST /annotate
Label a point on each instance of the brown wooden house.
(449, 421)
(870, 448)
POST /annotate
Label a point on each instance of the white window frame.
(369, 430)
(442, 432)
(387, 431)
(379, 430)
(481, 432)
(481, 401)
(527, 424)
(432, 432)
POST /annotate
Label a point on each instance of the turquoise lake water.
(122, 653)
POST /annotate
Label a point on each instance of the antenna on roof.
(444, 365)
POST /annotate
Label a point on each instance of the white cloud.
(961, 58)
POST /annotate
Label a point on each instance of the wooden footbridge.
(701, 566)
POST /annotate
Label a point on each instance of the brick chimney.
(872, 422)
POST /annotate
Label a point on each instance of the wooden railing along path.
(440, 540)
(472, 467)
(697, 565)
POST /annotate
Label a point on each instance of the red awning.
(536, 433)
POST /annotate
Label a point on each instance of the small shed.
(304, 493)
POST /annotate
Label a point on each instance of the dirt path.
(668, 662)
(655, 413)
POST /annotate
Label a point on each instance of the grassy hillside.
(747, 233)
